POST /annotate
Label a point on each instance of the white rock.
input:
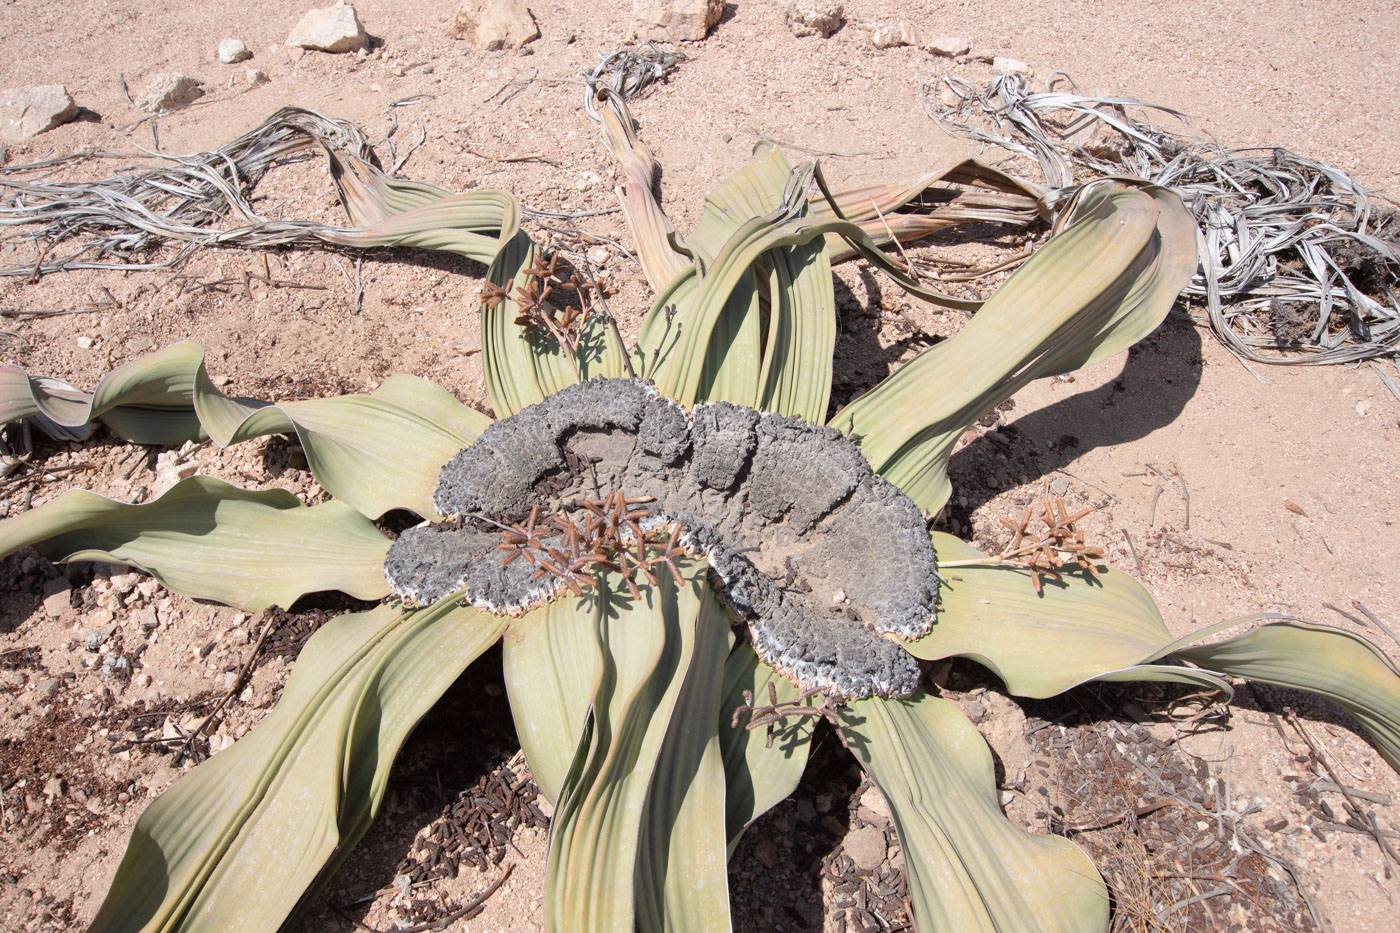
(29, 111)
(674, 20)
(168, 91)
(494, 24)
(1010, 66)
(814, 17)
(233, 51)
(599, 255)
(892, 35)
(866, 847)
(84, 342)
(329, 29)
(256, 77)
(1363, 407)
(875, 801)
(949, 46)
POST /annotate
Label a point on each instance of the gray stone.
(814, 17)
(97, 637)
(233, 51)
(255, 77)
(494, 24)
(29, 111)
(892, 35)
(49, 686)
(169, 91)
(949, 46)
(866, 847)
(329, 29)
(675, 20)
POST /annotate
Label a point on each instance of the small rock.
(866, 847)
(84, 342)
(55, 787)
(766, 851)
(142, 680)
(814, 17)
(97, 637)
(329, 29)
(147, 620)
(1010, 66)
(116, 665)
(494, 24)
(256, 77)
(1363, 407)
(29, 111)
(586, 180)
(599, 255)
(222, 380)
(58, 600)
(832, 103)
(49, 686)
(168, 91)
(675, 20)
(875, 801)
(892, 35)
(949, 46)
(233, 51)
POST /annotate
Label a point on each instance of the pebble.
(169, 91)
(875, 801)
(256, 77)
(29, 111)
(1363, 407)
(57, 598)
(599, 255)
(1010, 66)
(892, 35)
(675, 20)
(494, 24)
(97, 637)
(814, 17)
(329, 29)
(84, 342)
(866, 847)
(949, 46)
(233, 51)
(49, 686)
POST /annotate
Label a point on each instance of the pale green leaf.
(644, 651)
(1096, 288)
(1040, 644)
(207, 539)
(235, 843)
(551, 670)
(1344, 668)
(682, 884)
(758, 775)
(970, 869)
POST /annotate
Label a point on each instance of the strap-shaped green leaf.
(1042, 643)
(682, 885)
(376, 452)
(207, 539)
(295, 794)
(1093, 290)
(523, 366)
(146, 401)
(969, 868)
(551, 671)
(644, 650)
(1344, 668)
(757, 776)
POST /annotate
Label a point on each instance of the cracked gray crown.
(818, 556)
